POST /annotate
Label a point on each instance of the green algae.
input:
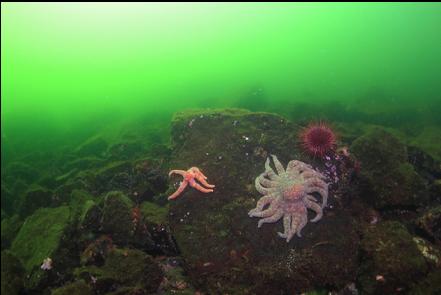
(429, 140)
(379, 149)
(9, 229)
(79, 287)
(126, 267)
(40, 236)
(43, 234)
(388, 180)
(94, 146)
(35, 197)
(429, 222)
(428, 285)
(117, 216)
(12, 274)
(390, 251)
(154, 213)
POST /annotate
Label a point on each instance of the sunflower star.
(288, 194)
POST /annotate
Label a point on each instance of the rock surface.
(123, 268)
(116, 232)
(12, 274)
(224, 250)
(43, 235)
(387, 179)
(391, 259)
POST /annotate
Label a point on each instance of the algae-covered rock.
(114, 176)
(391, 259)
(379, 148)
(43, 235)
(140, 179)
(429, 140)
(424, 164)
(117, 217)
(19, 170)
(86, 212)
(64, 191)
(155, 219)
(175, 281)
(435, 191)
(124, 268)
(96, 252)
(7, 198)
(223, 249)
(12, 274)
(387, 179)
(430, 223)
(89, 220)
(150, 180)
(126, 149)
(154, 213)
(94, 146)
(113, 215)
(35, 197)
(429, 285)
(431, 253)
(10, 227)
(80, 201)
(79, 287)
(99, 180)
(81, 164)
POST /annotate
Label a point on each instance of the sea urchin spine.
(318, 139)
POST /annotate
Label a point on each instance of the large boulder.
(44, 234)
(116, 219)
(9, 229)
(387, 179)
(141, 179)
(20, 170)
(223, 249)
(12, 274)
(35, 197)
(154, 218)
(429, 285)
(115, 216)
(430, 223)
(128, 269)
(391, 259)
(79, 287)
(7, 198)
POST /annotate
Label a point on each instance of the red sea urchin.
(318, 139)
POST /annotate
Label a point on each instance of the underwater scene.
(220, 148)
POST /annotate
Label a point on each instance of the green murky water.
(70, 69)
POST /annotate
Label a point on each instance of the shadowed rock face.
(124, 268)
(388, 180)
(223, 248)
(12, 272)
(389, 250)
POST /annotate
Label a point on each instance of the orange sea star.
(190, 176)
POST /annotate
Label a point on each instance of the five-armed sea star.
(190, 176)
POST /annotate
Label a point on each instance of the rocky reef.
(97, 215)
(388, 179)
